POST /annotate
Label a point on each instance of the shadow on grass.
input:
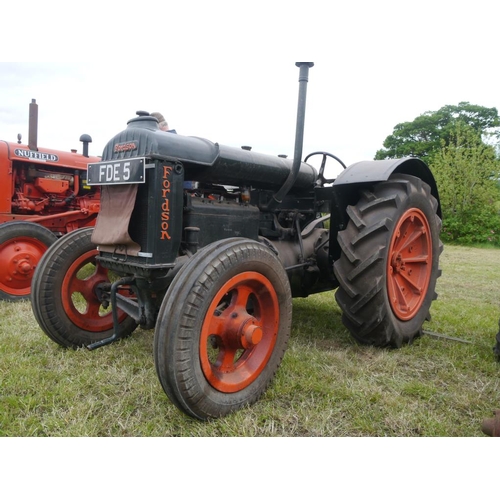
(317, 320)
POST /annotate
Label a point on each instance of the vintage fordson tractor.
(208, 244)
(43, 195)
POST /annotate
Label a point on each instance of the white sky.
(226, 71)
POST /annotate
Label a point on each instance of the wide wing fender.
(369, 172)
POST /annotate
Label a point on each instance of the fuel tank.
(203, 160)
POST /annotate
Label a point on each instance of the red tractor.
(43, 195)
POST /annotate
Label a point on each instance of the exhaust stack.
(299, 134)
(33, 126)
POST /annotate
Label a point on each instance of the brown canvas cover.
(111, 228)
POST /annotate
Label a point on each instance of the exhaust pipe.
(33, 126)
(299, 135)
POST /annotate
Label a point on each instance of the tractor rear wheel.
(65, 294)
(223, 328)
(22, 245)
(389, 262)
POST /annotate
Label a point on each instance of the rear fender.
(369, 172)
(345, 190)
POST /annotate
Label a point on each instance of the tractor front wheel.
(22, 245)
(389, 262)
(223, 328)
(65, 294)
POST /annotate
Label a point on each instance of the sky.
(228, 74)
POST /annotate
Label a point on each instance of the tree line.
(461, 146)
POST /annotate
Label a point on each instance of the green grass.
(327, 385)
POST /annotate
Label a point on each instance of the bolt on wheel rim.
(409, 264)
(239, 332)
(79, 294)
(20, 258)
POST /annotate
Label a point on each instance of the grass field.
(441, 385)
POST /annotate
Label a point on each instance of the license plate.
(131, 171)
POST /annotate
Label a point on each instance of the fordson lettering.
(36, 155)
(123, 147)
(165, 206)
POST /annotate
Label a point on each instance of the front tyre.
(389, 262)
(223, 328)
(65, 294)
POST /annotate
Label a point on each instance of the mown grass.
(327, 384)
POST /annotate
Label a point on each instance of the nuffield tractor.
(208, 244)
(44, 195)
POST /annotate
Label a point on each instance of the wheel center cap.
(397, 263)
(251, 334)
(23, 264)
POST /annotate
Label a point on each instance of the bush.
(472, 227)
(466, 172)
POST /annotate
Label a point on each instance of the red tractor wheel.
(22, 245)
(389, 263)
(239, 332)
(409, 264)
(223, 328)
(65, 294)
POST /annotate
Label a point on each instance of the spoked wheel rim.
(239, 332)
(20, 257)
(80, 298)
(409, 266)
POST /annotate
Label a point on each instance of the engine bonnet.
(203, 160)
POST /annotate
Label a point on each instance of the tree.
(467, 172)
(425, 135)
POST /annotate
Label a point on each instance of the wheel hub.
(23, 265)
(252, 335)
(397, 263)
(239, 332)
(242, 330)
(20, 261)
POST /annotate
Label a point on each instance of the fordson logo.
(35, 155)
(125, 146)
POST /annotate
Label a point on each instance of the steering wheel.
(324, 155)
